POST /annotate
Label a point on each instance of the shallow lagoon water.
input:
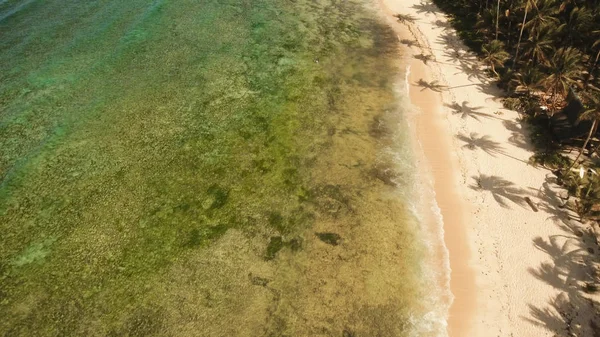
(172, 167)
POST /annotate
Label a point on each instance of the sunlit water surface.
(204, 168)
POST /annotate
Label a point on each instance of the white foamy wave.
(435, 267)
(437, 298)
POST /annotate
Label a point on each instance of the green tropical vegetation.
(494, 54)
(545, 53)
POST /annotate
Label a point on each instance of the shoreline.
(507, 260)
(432, 142)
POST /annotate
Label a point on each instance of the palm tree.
(521, 32)
(594, 63)
(526, 80)
(592, 113)
(495, 55)
(497, 18)
(539, 45)
(578, 26)
(565, 71)
(484, 21)
(564, 5)
(544, 15)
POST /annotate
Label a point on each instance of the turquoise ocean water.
(204, 168)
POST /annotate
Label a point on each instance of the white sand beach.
(514, 270)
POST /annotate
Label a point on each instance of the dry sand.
(515, 272)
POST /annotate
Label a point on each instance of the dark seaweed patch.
(348, 333)
(143, 322)
(329, 238)
(385, 173)
(198, 237)
(295, 244)
(194, 239)
(332, 199)
(258, 281)
(219, 196)
(277, 221)
(291, 177)
(378, 128)
(275, 245)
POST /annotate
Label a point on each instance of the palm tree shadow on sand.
(502, 190)
(517, 136)
(563, 316)
(465, 111)
(466, 63)
(485, 143)
(553, 204)
(453, 54)
(473, 71)
(433, 85)
(424, 58)
(405, 18)
(445, 25)
(461, 57)
(573, 270)
(426, 7)
(409, 43)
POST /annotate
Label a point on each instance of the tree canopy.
(536, 47)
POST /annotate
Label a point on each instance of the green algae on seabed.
(162, 145)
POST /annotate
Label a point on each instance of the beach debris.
(531, 204)
(329, 238)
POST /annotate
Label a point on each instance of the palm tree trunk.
(494, 70)
(521, 34)
(553, 101)
(595, 152)
(592, 69)
(584, 145)
(497, 18)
